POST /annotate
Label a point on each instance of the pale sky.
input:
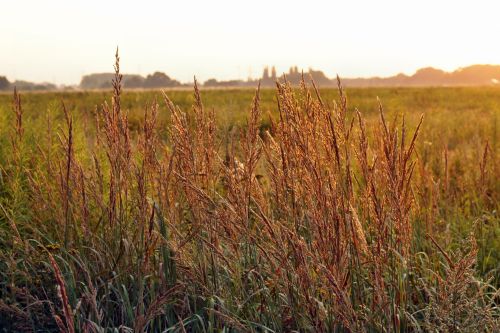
(59, 41)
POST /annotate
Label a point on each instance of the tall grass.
(319, 222)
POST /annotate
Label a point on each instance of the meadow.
(247, 210)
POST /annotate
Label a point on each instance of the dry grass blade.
(68, 313)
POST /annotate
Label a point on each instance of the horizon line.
(250, 78)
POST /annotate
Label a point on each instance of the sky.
(59, 41)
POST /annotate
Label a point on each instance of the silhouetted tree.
(265, 75)
(97, 81)
(4, 83)
(27, 86)
(133, 81)
(211, 83)
(159, 79)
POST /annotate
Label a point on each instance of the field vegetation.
(233, 210)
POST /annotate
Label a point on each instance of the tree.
(211, 83)
(273, 73)
(133, 81)
(265, 75)
(159, 79)
(4, 83)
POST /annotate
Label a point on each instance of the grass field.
(231, 210)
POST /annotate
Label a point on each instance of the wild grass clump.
(319, 221)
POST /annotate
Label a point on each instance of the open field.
(231, 210)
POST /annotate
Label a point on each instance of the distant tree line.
(476, 75)
(269, 78)
(104, 81)
(6, 85)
